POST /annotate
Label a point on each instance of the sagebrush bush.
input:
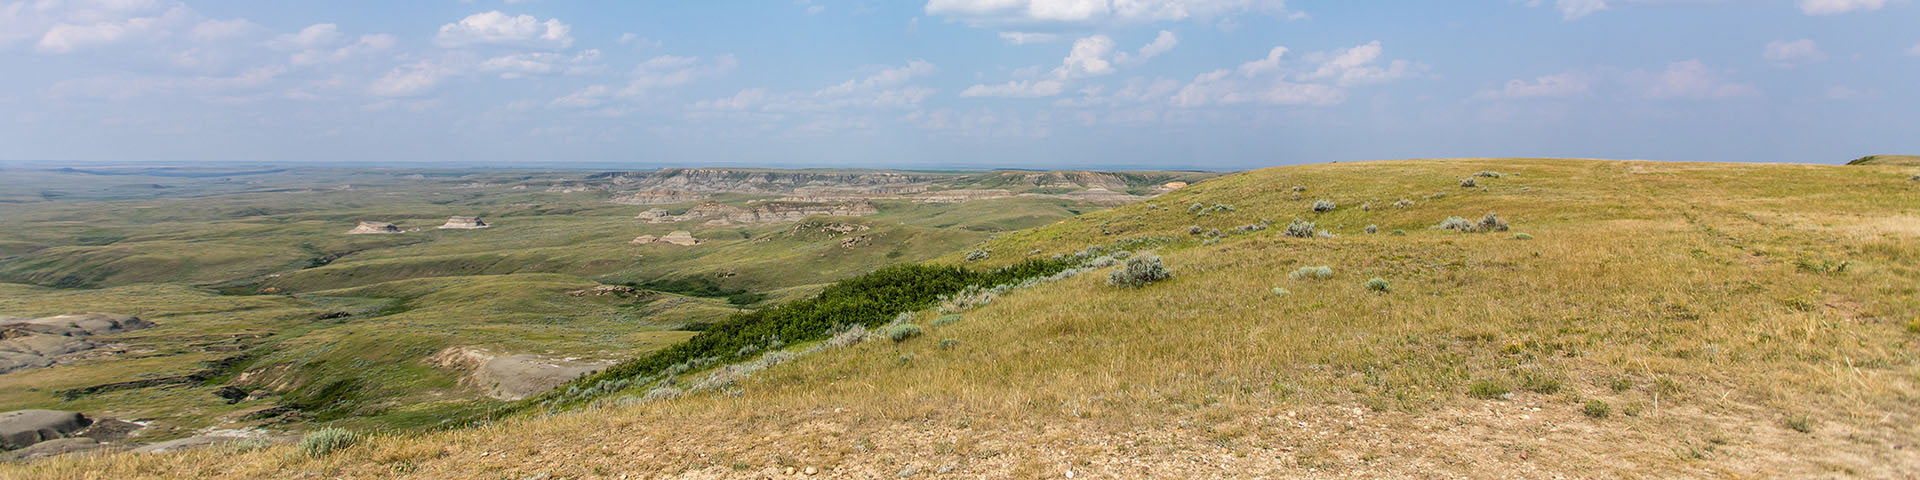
(1281, 292)
(1139, 271)
(1491, 223)
(1403, 203)
(1299, 229)
(1373, 229)
(1400, 232)
(1312, 273)
(1194, 230)
(1378, 284)
(1468, 182)
(978, 255)
(1456, 224)
(1299, 188)
(900, 333)
(947, 319)
(319, 443)
(1522, 236)
(1490, 174)
(1323, 206)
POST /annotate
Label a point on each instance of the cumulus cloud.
(495, 28)
(1835, 7)
(1091, 56)
(217, 30)
(542, 63)
(886, 88)
(1574, 9)
(663, 71)
(1018, 12)
(1690, 79)
(65, 37)
(1322, 78)
(1162, 43)
(1795, 53)
(411, 79)
(1023, 38)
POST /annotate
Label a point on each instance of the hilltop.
(1889, 160)
(1589, 318)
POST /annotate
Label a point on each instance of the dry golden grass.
(1705, 304)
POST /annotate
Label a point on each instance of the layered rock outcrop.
(464, 223)
(36, 343)
(763, 212)
(657, 197)
(374, 228)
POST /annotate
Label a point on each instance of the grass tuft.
(320, 443)
(1489, 389)
(1596, 409)
(1312, 273)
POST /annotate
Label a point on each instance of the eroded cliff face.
(766, 212)
(709, 180)
(657, 197)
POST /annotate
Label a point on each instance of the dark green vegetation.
(270, 315)
(867, 301)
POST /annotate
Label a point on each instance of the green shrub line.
(870, 301)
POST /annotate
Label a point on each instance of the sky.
(1110, 84)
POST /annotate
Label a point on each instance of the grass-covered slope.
(1655, 320)
(1888, 160)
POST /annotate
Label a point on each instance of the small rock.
(790, 471)
(908, 472)
(812, 471)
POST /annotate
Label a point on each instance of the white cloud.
(495, 28)
(542, 63)
(313, 36)
(1795, 53)
(1015, 12)
(1355, 66)
(411, 79)
(882, 89)
(664, 71)
(1023, 38)
(638, 41)
(1265, 65)
(1087, 58)
(1834, 7)
(1267, 80)
(1572, 9)
(94, 28)
(1549, 86)
(1161, 44)
(216, 30)
(1691, 79)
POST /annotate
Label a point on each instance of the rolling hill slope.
(1632, 319)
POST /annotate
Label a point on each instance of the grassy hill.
(1890, 160)
(1633, 319)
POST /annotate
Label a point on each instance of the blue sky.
(1212, 84)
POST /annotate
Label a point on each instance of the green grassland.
(1655, 320)
(255, 285)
